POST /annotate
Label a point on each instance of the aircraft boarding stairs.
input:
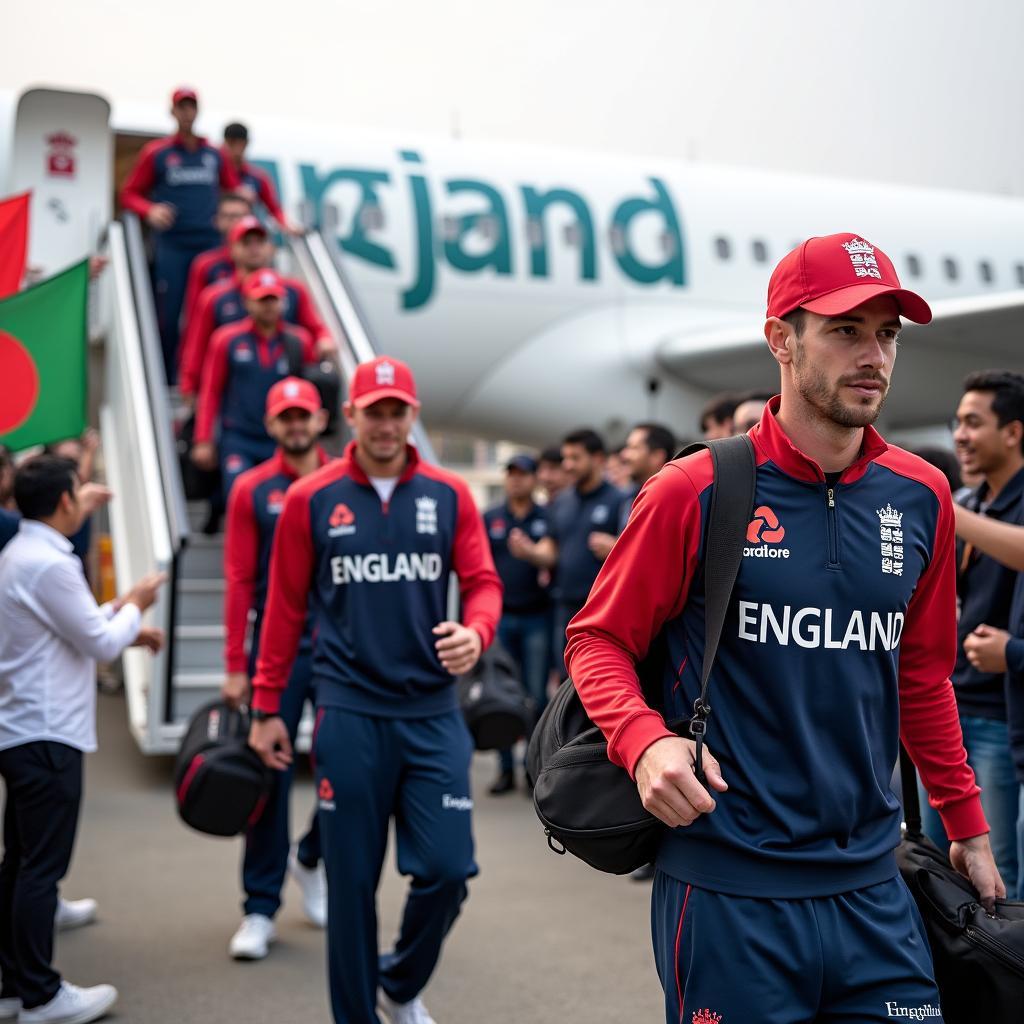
(152, 525)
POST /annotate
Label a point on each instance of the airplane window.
(488, 228)
(722, 248)
(985, 270)
(913, 265)
(618, 239)
(950, 267)
(1020, 274)
(535, 233)
(450, 228)
(371, 217)
(760, 251)
(668, 243)
(572, 234)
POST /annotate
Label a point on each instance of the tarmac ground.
(542, 938)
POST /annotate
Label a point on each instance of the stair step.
(200, 602)
(203, 558)
(199, 648)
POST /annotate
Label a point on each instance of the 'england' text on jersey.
(378, 568)
(814, 627)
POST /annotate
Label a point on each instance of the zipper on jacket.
(832, 523)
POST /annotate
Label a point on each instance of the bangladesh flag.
(43, 348)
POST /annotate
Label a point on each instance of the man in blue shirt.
(585, 520)
(525, 627)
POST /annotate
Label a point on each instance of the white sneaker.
(72, 1005)
(313, 883)
(9, 1010)
(253, 938)
(405, 1013)
(74, 913)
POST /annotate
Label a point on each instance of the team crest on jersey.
(890, 530)
(862, 258)
(243, 353)
(600, 515)
(230, 309)
(498, 529)
(173, 160)
(706, 1016)
(538, 528)
(282, 366)
(385, 374)
(342, 522)
(275, 501)
(426, 515)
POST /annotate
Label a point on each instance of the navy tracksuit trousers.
(267, 842)
(369, 769)
(172, 257)
(855, 958)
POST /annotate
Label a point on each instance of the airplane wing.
(981, 332)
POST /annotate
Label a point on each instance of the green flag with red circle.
(43, 360)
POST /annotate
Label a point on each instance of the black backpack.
(220, 783)
(493, 704)
(589, 806)
(978, 957)
(323, 375)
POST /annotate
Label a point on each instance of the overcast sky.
(916, 91)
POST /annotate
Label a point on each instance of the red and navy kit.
(207, 268)
(390, 740)
(244, 365)
(220, 304)
(524, 591)
(253, 510)
(190, 180)
(840, 638)
(363, 565)
(258, 180)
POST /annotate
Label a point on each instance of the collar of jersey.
(769, 437)
(281, 465)
(412, 461)
(179, 140)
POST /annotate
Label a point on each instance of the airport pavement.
(542, 938)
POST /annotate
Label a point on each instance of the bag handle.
(732, 500)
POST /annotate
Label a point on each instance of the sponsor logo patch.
(765, 531)
(456, 803)
(342, 521)
(325, 793)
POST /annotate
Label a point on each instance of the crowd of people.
(337, 572)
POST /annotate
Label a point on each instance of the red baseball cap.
(183, 92)
(292, 393)
(263, 283)
(834, 274)
(382, 377)
(244, 226)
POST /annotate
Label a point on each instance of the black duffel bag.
(493, 704)
(979, 957)
(589, 806)
(220, 783)
(323, 375)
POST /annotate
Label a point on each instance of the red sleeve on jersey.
(198, 328)
(196, 282)
(241, 564)
(479, 584)
(267, 195)
(140, 180)
(643, 583)
(929, 723)
(229, 178)
(291, 575)
(215, 375)
(306, 314)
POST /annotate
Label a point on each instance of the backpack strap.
(732, 499)
(911, 803)
(293, 354)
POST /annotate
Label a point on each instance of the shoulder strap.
(732, 499)
(293, 353)
(911, 803)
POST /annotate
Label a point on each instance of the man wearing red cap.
(174, 187)
(369, 543)
(294, 419)
(246, 360)
(222, 303)
(840, 639)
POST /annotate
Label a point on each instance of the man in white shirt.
(52, 634)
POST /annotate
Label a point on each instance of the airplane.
(535, 290)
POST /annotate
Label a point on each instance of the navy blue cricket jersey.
(523, 590)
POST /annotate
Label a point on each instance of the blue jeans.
(988, 753)
(527, 638)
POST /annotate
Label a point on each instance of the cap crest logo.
(291, 389)
(385, 374)
(862, 258)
